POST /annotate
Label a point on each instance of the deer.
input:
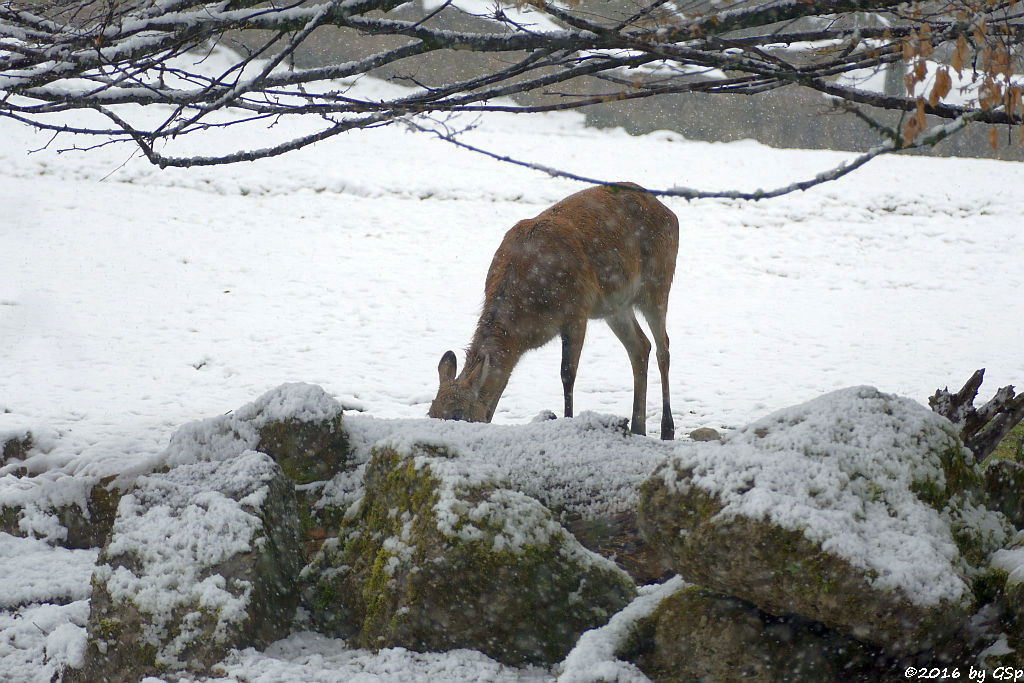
(599, 253)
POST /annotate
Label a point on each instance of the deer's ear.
(485, 369)
(478, 375)
(446, 368)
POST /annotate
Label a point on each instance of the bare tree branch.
(931, 138)
(980, 428)
(111, 57)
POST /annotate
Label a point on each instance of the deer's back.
(593, 253)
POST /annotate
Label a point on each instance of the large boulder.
(586, 470)
(854, 510)
(439, 554)
(201, 559)
(697, 635)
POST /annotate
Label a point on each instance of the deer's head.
(459, 398)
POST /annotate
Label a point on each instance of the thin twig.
(931, 138)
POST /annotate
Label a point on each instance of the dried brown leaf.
(1014, 100)
(990, 94)
(911, 131)
(960, 55)
(943, 84)
(909, 47)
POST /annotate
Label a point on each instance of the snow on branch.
(125, 60)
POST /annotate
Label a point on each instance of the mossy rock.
(306, 451)
(617, 537)
(86, 527)
(783, 572)
(9, 520)
(298, 425)
(440, 556)
(1004, 488)
(15, 446)
(855, 510)
(699, 635)
(201, 559)
(1006, 573)
(90, 528)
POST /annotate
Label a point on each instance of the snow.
(593, 660)
(1011, 561)
(312, 658)
(134, 301)
(44, 573)
(578, 465)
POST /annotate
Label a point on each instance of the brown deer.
(596, 254)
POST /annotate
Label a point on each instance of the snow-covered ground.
(133, 300)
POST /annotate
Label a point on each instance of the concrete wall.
(788, 117)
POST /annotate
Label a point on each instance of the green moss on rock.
(306, 451)
(1004, 489)
(441, 557)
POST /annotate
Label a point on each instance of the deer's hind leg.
(572, 347)
(655, 315)
(627, 329)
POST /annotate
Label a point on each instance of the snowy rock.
(845, 510)
(77, 521)
(14, 445)
(587, 470)
(698, 635)
(297, 424)
(600, 655)
(705, 434)
(439, 554)
(1008, 567)
(201, 559)
(90, 527)
(589, 465)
